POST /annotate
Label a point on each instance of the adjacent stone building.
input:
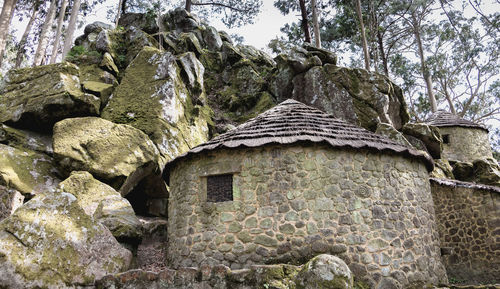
(468, 218)
(295, 182)
(463, 140)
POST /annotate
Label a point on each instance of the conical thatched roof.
(292, 121)
(442, 118)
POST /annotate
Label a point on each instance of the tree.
(234, 12)
(44, 34)
(68, 39)
(315, 17)
(60, 21)
(21, 48)
(362, 32)
(5, 20)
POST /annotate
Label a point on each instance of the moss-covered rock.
(390, 132)
(487, 171)
(25, 139)
(118, 154)
(27, 171)
(93, 72)
(100, 89)
(104, 204)
(442, 170)
(153, 98)
(463, 171)
(325, 271)
(40, 96)
(193, 71)
(428, 134)
(50, 242)
(10, 200)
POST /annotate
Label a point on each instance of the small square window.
(220, 188)
(446, 138)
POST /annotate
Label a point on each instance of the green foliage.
(79, 54)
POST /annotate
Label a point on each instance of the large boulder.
(153, 98)
(428, 134)
(27, 171)
(10, 200)
(104, 204)
(354, 95)
(25, 139)
(40, 96)
(145, 22)
(487, 171)
(50, 242)
(325, 271)
(390, 132)
(118, 154)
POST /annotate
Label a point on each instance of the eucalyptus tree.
(6, 15)
(56, 42)
(22, 45)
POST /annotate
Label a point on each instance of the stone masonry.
(292, 202)
(465, 144)
(468, 219)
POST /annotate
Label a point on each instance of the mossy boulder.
(193, 72)
(100, 89)
(93, 72)
(428, 134)
(40, 96)
(325, 271)
(487, 171)
(390, 132)
(50, 242)
(104, 204)
(442, 170)
(25, 139)
(355, 95)
(119, 154)
(10, 200)
(153, 98)
(179, 20)
(27, 171)
(145, 22)
(463, 171)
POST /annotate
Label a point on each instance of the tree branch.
(216, 4)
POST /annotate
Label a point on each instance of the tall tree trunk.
(5, 20)
(423, 66)
(188, 5)
(382, 52)
(21, 51)
(363, 35)
(317, 35)
(305, 24)
(68, 39)
(44, 34)
(57, 41)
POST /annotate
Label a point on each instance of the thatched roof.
(460, 184)
(442, 118)
(292, 121)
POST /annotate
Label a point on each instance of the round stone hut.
(463, 140)
(295, 182)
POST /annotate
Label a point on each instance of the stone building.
(463, 140)
(295, 182)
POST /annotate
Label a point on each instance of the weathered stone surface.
(51, 242)
(179, 20)
(442, 170)
(145, 22)
(27, 171)
(467, 219)
(355, 95)
(92, 72)
(326, 56)
(96, 27)
(40, 96)
(463, 171)
(104, 204)
(99, 89)
(136, 40)
(428, 134)
(153, 98)
(10, 200)
(487, 171)
(465, 144)
(194, 71)
(25, 139)
(390, 132)
(119, 154)
(108, 64)
(325, 271)
(212, 38)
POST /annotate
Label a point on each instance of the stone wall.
(468, 219)
(465, 144)
(293, 202)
